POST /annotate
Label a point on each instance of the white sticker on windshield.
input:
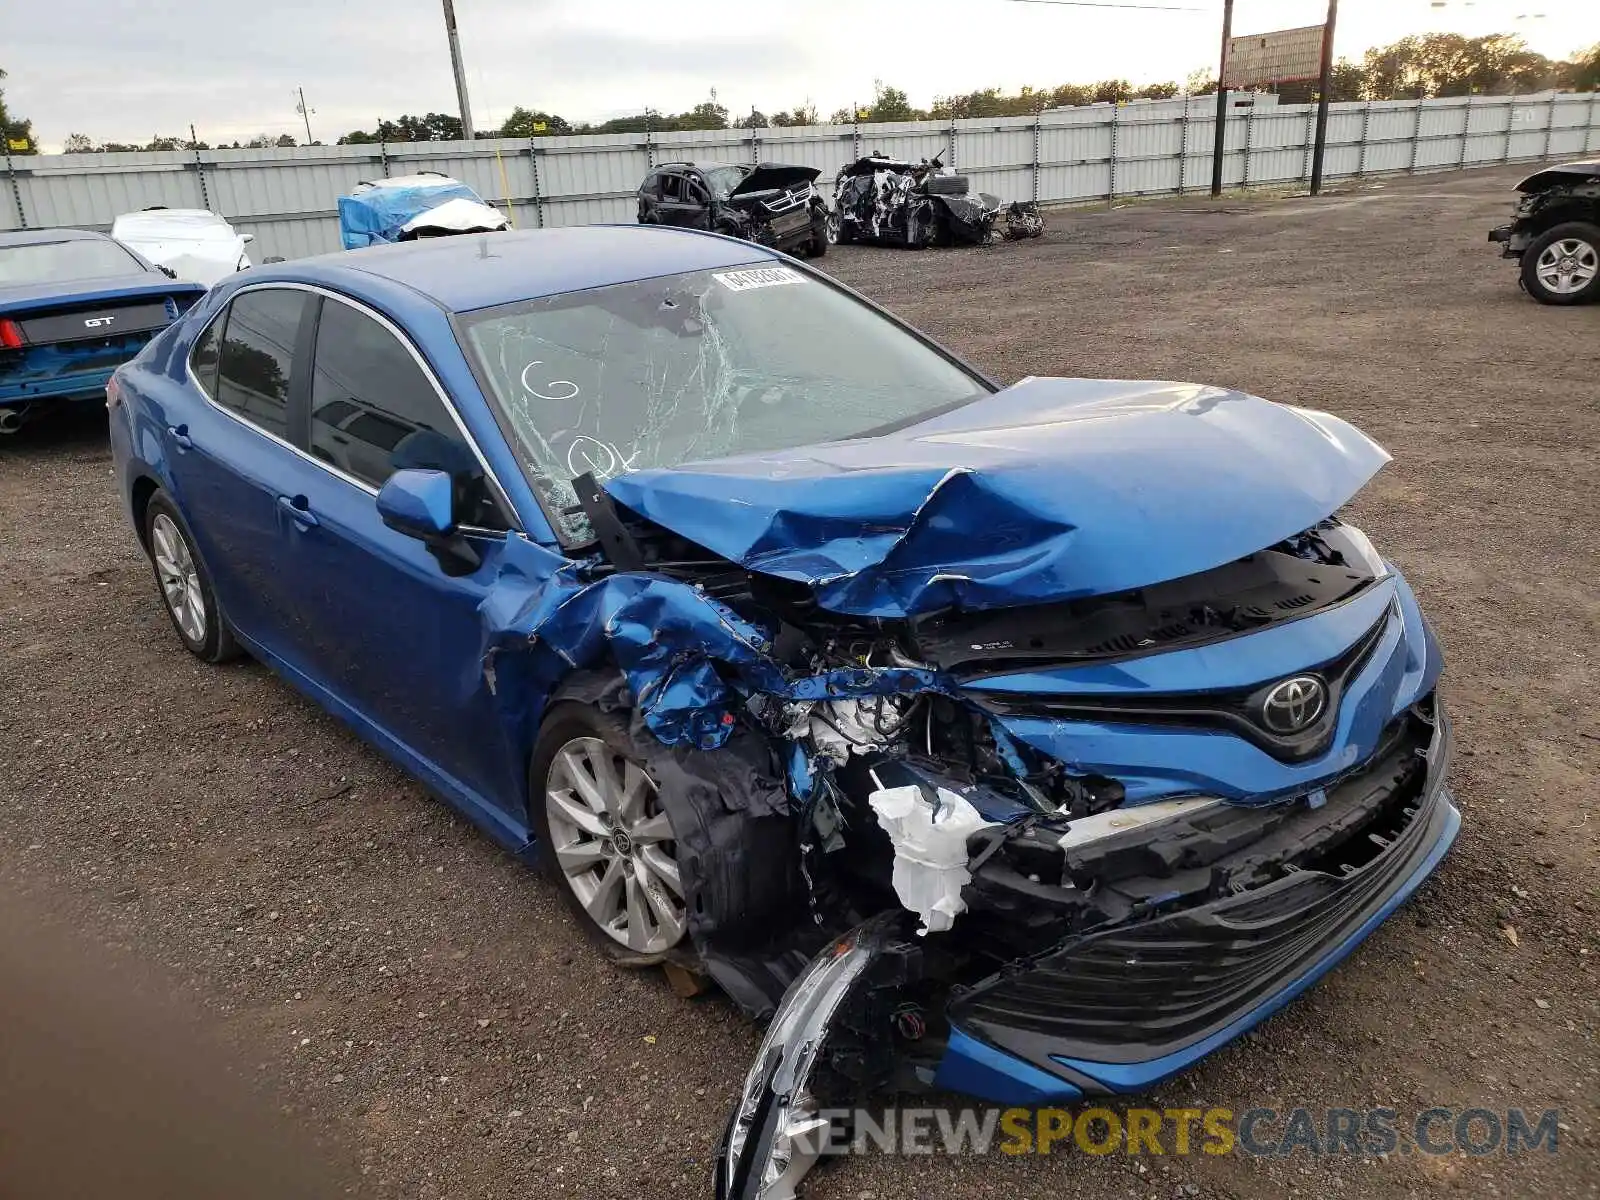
(758, 277)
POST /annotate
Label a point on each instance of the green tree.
(708, 114)
(525, 123)
(1581, 72)
(1348, 81)
(17, 132)
(1112, 91)
(1157, 91)
(1447, 64)
(891, 104)
(801, 114)
(77, 143)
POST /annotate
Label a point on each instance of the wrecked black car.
(899, 203)
(1555, 233)
(1029, 742)
(771, 204)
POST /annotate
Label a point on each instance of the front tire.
(605, 840)
(1562, 266)
(824, 232)
(184, 584)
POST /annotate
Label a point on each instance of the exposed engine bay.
(896, 202)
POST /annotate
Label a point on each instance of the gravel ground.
(426, 1006)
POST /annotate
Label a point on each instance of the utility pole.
(1321, 142)
(304, 112)
(1218, 147)
(460, 71)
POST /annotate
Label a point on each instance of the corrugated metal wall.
(287, 197)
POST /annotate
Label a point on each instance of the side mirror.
(247, 238)
(421, 504)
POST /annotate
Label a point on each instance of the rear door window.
(375, 411)
(672, 187)
(257, 356)
(203, 358)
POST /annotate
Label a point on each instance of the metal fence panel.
(287, 197)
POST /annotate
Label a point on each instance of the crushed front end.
(1031, 751)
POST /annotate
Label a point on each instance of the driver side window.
(375, 411)
(672, 187)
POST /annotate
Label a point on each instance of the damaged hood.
(1562, 173)
(1048, 490)
(772, 176)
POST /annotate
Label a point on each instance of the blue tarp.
(375, 215)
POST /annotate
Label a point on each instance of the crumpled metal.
(1048, 490)
(689, 660)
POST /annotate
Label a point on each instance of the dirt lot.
(426, 1004)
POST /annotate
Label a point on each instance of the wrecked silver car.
(1027, 741)
(894, 202)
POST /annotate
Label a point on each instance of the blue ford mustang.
(74, 306)
(1030, 742)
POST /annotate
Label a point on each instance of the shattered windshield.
(724, 179)
(697, 366)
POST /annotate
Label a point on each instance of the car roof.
(38, 237)
(464, 272)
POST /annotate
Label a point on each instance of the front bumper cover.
(1193, 980)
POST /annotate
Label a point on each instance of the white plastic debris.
(930, 850)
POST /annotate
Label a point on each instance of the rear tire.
(1562, 265)
(184, 584)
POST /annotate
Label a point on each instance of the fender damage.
(980, 702)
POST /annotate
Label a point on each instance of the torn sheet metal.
(1021, 497)
(930, 850)
(689, 660)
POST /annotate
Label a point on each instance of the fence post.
(649, 146)
(383, 156)
(538, 201)
(1466, 128)
(200, 167)
(1311, 142)
(1183, 146)
(1249, 139)
(952, 140)
(1038, 119)
(1549, 126)
(16, 188)
(1366, 127)
(1511, 119)
(855, 130)
(1588, 130)
(1416, 140)
(1116, 112)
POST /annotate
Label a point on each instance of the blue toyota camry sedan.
(1030, 741)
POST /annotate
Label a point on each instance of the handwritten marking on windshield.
(554, 383)
(758, 277)
(600, 459)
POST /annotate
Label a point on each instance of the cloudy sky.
(231, 66)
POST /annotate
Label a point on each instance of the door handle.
(180, 436)
(299, 511)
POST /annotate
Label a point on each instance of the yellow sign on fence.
(18, 144)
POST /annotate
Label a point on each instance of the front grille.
(1237, 711)
(1142, 990)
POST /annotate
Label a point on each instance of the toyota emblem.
(1294, 704)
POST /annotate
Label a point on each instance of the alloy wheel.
(1567, 266)
(180, 579)
(614, 845)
